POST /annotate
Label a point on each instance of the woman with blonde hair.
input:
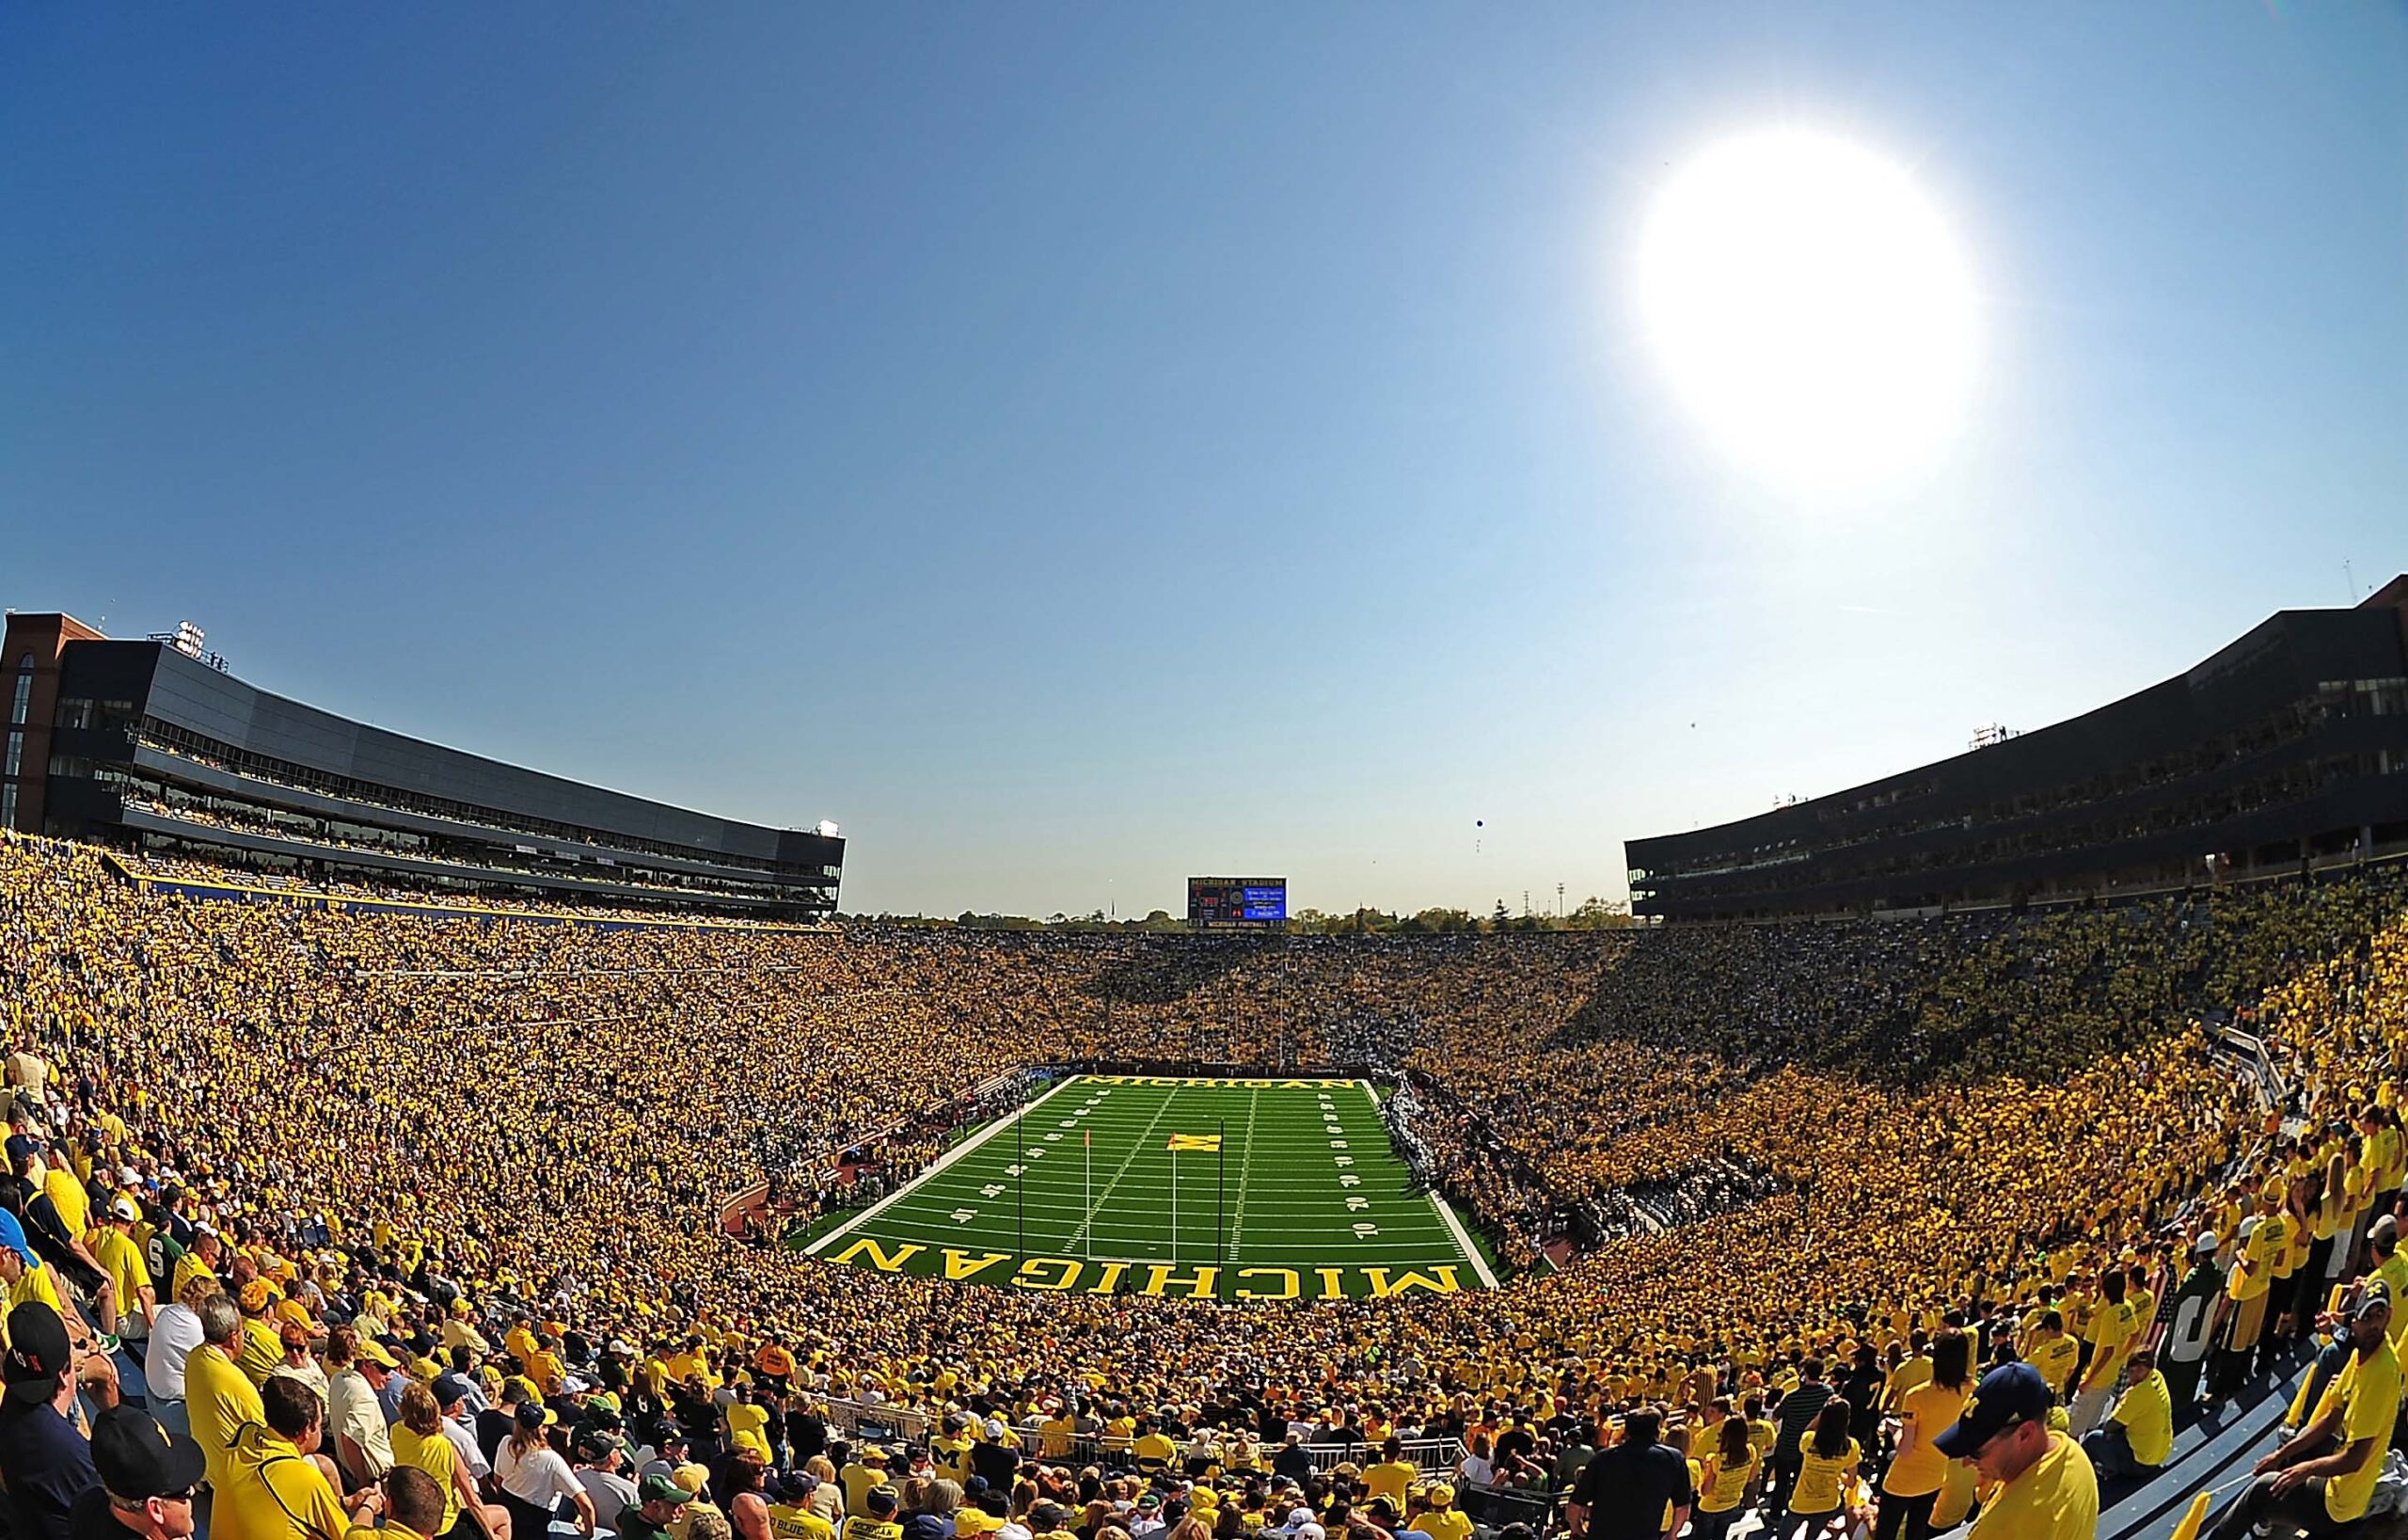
(418, 1440)
(827, 1500)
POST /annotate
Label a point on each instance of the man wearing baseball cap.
(2046, 1490)
(2192, 1317)
(657, 1500)
(2319, 1491)
(790, 1515)
(123, 1259)
(149, 1479)
(43, 1458)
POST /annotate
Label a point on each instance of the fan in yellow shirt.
(1392, 1475)
(1442, 1519)
(2040, 1484)
(1723, 1482)
(1828, 1463)
(2053, 1353)
(1919, 1470)
(273, 1486)
(2326, 1475)
(2139, 1434)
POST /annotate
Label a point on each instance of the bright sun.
(1812, 309)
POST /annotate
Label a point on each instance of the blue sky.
(1077, 447)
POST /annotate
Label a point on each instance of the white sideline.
(1446, 1212)
(935, 1167)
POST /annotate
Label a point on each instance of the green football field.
(1237, 1190)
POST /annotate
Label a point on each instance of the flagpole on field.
(1221, 1223)
(1173, 1203)
(1088, 1134)
(1020, 1135)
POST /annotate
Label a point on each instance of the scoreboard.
(1237, 901)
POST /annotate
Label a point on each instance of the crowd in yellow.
(495, 1151)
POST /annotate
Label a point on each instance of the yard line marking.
(935, 1167)
(1445, 1213)
(1245, 1170)
(1087, 1224)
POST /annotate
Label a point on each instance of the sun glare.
(1812, 309)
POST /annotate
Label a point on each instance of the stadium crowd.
(478, 1166)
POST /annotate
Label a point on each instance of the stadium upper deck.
(140, 745)
(2287, 749)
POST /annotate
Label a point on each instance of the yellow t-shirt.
(188, 1267)
(2054, 1358)
(951, 1457)
(122, 1261)
(1725, 1484)
(1818, 1478)
(1444, 1524)
(34, 1287)
(67, 1195)
(2111, 1333)
(2057, 1499)
(859, 1482)
(2368, 1389)
(1929, 1411)
(433, 1455)
(2393, 1271)
(1914, 1372)
(2146, 1411)
(272, 1493)
(748, 1428)
(1153, 1448)
(263, 1351)
(1390, 1478)
(791, 1521)
(219, 1399)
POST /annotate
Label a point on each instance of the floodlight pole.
(1019, 1136)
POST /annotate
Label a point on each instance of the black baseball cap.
(39, 1352)
(594, 1444)
(2011, 1394)
(137, 1458)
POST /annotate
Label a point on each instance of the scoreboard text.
(1237, 901)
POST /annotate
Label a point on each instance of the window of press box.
(75, 711)
(24, 692)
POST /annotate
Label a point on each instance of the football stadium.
(1761, 637)
(335, 1052)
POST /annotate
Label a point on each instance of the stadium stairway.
(2212, 1452)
